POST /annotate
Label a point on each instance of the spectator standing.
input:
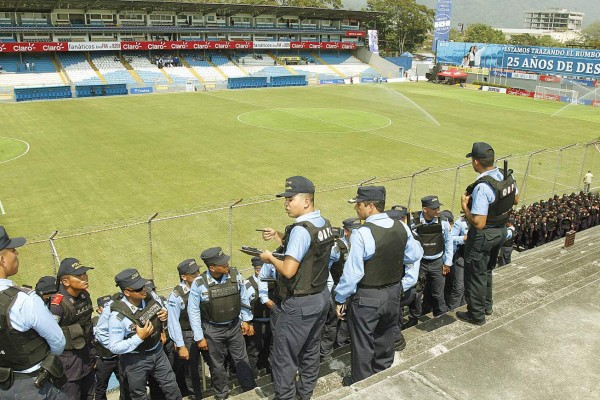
(587, 181)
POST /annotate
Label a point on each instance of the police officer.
(410, 296)
(436, 239)
(258, 345)
(135, 326)
(459, 235)
(505, 255)
(302, 281)
(107, 363)
(217, 299)
(31, 341)
(181, 330)
(72, 307)
(371, 285)
(487, 204)
(46, 288)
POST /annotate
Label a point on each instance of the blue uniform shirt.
(252, 296)
(459, 230)
(299, 240)
(101, 330)
(266, 272)
(199, 294)
(448, 251)
(175, 306)
(362, 248)
(122, 336)
(411, 275)
(335, 252)
(29, 312)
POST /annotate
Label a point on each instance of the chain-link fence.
(156, 244)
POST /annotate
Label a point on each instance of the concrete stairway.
(538, 280)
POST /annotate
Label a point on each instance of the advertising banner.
(271, 45)
(519, 75)
(185, 45)
(94, 46)
(33, 47)
(331, 82)
(373, 41)
(596, 103)
(323, 45)
(500, 73)
(355, 33)
(441, 24)
(142, 90)
(560, 61)
(549, 78)
(520, 92)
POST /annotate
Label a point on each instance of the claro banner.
(169, 45)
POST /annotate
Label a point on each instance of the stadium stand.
(111, 68)
(147, 71)
(42, 71)
(78, 69)
(204, 68)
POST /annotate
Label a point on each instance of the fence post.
(150, 244)
(526, 175)
(55, 257)
(458, 168)
(412, 183)
(558, 163)
(231, 224)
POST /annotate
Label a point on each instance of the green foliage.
(405, 26)
(312, 3)
(530, 40)
(481, 33)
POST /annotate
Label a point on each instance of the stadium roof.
(183, 6)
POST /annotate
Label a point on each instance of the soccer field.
(91, 162)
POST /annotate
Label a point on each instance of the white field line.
(19, 156)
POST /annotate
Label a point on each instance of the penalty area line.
(2, 208)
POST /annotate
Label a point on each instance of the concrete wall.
(387, 68)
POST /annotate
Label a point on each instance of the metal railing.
(156, 244)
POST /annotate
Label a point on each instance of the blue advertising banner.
(142, 90)
(441, 24)
(331, 82)
(545, 60)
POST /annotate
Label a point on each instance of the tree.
(405, 25)
(592, 32)
(312, 3)
(481, 33)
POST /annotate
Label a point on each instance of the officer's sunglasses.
(137, 290)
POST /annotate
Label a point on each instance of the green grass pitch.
(91, 162)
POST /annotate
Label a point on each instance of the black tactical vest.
(337, 268)
(505, 191)
(18, 350)
(430, 236)
(224, 302)
(76, 311)
(386, 267)
(259, 310)
(184, 318)
(140, 317)
(313, 271)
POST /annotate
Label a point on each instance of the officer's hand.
(465, 238)
(445, 269)
(163, 315)
(270, 304)
(203, 345)
(145, 331)
(266, 256)
(340, 310)
(464, 200)
(247, 329)
(183, 352)
(163, 337)
(271, 234)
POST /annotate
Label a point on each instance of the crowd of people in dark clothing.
(549, 220)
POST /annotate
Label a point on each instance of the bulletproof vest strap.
(337, 268)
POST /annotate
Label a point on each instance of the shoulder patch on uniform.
(56, 299)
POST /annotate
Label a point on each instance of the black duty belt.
(378, 286)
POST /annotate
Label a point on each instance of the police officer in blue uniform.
(258, 346)
(135, 326)
(486, 204)
(107, 363)
(371, 286)
(459, 235)
(219, 313)
(180, 328)
(30, 338)
(302, 286)
(435, 236)
(72, 307)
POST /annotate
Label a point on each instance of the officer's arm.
(413, 250)
(174, 305)
(263, 287)
(297, 246)
(194, 310)
(117, 331)
(101, 329)
(245, 312)
(354, 267)
(43, 322)
(479, 204)
(409, 279)
(448, 244)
